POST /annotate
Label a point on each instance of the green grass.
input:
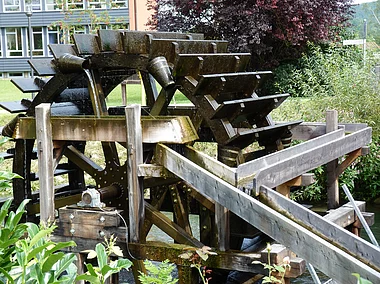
(10, 92)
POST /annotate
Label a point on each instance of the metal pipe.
(360, 215)
(313, 273)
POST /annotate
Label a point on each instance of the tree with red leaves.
(273, 30)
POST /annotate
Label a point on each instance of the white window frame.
(14, 7)
(38, 52)
(18, 41)
(36, 5)
(116, 4)
(52, 5)
(75, 4)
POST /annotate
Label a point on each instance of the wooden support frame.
(323, 227)
(293, 166)
(135, 158)
(331, 167)
(45, 163)
(164, 129)
(339, 265)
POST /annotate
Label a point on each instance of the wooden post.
(135, 158)
(222, 222)
(123, 86)
(135, 186)
(45, 163)
(332, 167)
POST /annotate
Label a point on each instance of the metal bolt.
(172, 188)
(204, 227)
(71, 216)
(72, 231)
(204, 208)
(102, 219)
(189, 189)
(175, 200)
(102, 234)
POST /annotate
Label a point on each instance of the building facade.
(22, 21)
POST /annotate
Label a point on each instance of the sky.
(362, 1)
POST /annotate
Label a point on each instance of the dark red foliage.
(273, 30)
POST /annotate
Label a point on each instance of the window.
(14, 43)
(119, 4)
(37, 42)
(75, 4)
(54, 35)
(11, 5)
(97, 4)
(52, 5)
(1, 50)
(36, 5)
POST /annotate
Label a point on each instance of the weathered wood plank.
(89, 217)
(216, 167)
(309, 130)
(45, 163)
(247, 170)
(169, 227)
(167, 129)
(331, 167)
(339, 265)
(305, 161)
(324, 227)
(240, 261)
(135, 157)
(344, 215)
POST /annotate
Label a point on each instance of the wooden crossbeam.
(324, 227)
(331, 260)
(166, 129)
(169, 227)
(293, 166)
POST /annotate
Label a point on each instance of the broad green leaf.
(123, 263)
(41, 235)
(279, 268)
(65, 264)
(101, 254)
(21, 207)
(51, 260)
(107, 271)
(89, 278)
(91, 269)
(6, 275)
(33, 253)
(62, 245)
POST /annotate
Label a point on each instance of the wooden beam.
(135, 157)
(166, 129)
(302, 241)
(212, 165)
(293, 166)
(310, 130)
(45, 163)
(344, 215)
(240, 261)
(324, 227)
(247, 171)
(351, 157)
(169, 227)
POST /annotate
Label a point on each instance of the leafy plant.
(106, 267)
(26, 253)
(39, 260)
(197, 256)
(158, 274)
(274, 268)
(361, 280)
(6, 176)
